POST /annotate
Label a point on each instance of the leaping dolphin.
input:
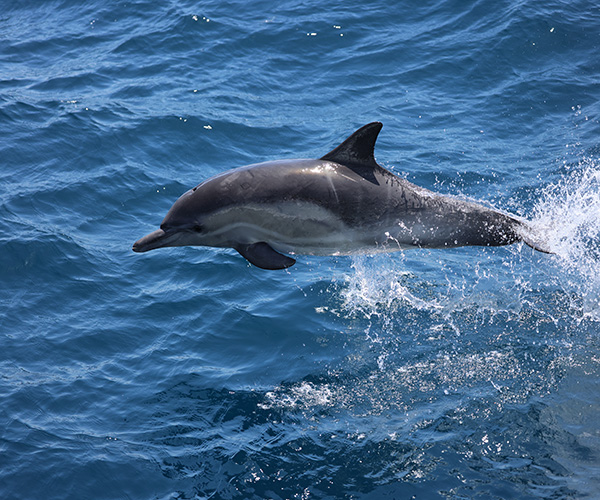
(341, 204)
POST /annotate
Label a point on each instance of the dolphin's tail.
(532, 238)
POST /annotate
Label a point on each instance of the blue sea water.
(186, 373)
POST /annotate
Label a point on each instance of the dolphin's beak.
(155, 239)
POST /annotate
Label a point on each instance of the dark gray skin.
(343, 203)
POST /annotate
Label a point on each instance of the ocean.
(186, 373)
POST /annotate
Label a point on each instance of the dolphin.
(343, 203)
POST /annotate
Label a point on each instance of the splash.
(432, 289)
(377, 285)
(568, 214)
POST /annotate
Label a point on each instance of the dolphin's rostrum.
(343, 203)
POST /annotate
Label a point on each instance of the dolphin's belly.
(290, 227)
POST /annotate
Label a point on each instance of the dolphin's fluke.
(263, 256)
(531, 238)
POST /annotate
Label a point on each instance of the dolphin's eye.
(197, 228)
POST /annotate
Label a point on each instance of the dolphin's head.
(182, 226)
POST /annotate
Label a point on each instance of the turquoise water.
(186, 373)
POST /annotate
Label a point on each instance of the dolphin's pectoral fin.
(262, 255)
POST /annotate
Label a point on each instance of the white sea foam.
(301, 396)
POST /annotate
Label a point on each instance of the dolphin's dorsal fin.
(358, 149)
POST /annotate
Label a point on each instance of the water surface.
(185, 373)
